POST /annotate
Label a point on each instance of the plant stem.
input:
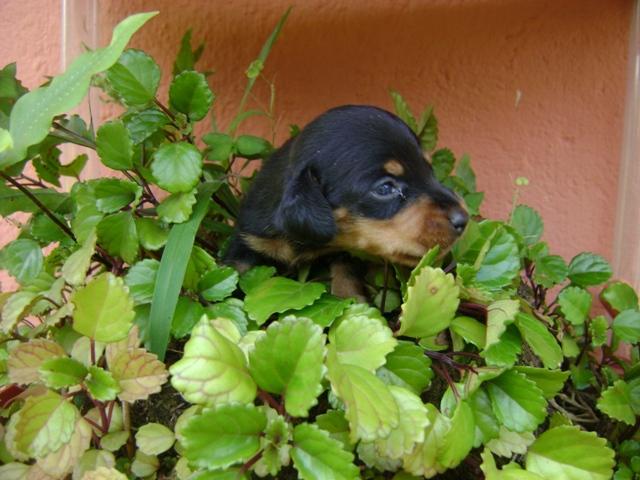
(40, 205)
(165, 110)
(75, 138)
(250, 463)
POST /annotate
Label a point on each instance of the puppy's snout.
(458, 219)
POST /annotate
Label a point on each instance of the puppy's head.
(359, 181)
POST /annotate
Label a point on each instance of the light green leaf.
(598, 328)
(550, 270)
(528, 223)
(615, 401)
(458, 440)
(118, 235)
(279, 294)
(325, 310)
(221, 147)
(511, 471)
(212, 370)
(223, 436)
(620, 296)
(501, 263)
(333, 421)
(85, 222)
(15, 308)
(135, 77)
(575, 303)
(6, 142)
(141, 280)
(423, 460)
(541, 341)
(190, 94)
(316, 456)
(500, 314)
(508, 443)
(32, 114)
(362, 341)
(114, 441)
(154, 439)
(255, 276)
(177, 207)
(62, 372)
(45, 424)
(143, 465)
(114, 146)
(101, 384)
(187, 314)
(74, 269)
(471, 330)
(288, 361)
(487, 426)
(250, 146)
(138, 373)
(218, 284)
(626, 326)
(408, 367)
(112, 194)
(549, 381)
(26, 358)
(587, 269)
(403, 111)
(517, 401)
(103, 309)
(568, 453)
(431, 304)
(177, 167)
(152, 234)
(23, 259)
(371, 410)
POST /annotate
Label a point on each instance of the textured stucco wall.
(529, 88)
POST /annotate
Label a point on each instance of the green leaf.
(177, 167)
(212, 370)
(231, 309)
(144, 465)
(141, 280)
(223, 436)
(15, 308)
(118, 235)
(587, 269)
(403, 111)
(458, 441)
(288, 361)
(62, 372)
(442, 162)
(23, 259)
(45, 424)
(324, 310)
(218, 284)
(550, 270)
(568, 452)
(428, 130)
(424, 459)
(101, 384)
(186, 58)
(138, 373)
(12, 200)
(187, 315)
(501, 263)
(504, 353)
(112, 194)
(152, 234)
(221, 147)
(486, 424)
(500, 314)
(511, 471)
(541, 341)
(32, 114)
(626, 326)
(620, 296)
(250, 146)
(615, 401)
(114, 146)
(74, 169)
(6, 142)
(362, 341)
(142, 125)
(408, 367)
(74, 269)
(103, 309)
(517, 401)
(135, 77)
(27, 357)
(316, 456)
(172, 270)
(549, 381)
(575, 303)
(85, 222)
(333, 421)
(508, 443)
(431, 304)
(528, 223)
(279, 294)
(466, 174)
(190, 94)
(471, 330)
(371, 410)
(154, 439)
(177, 207)
(598, 328)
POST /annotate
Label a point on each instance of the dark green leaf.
(626, 326)
(12, 201)
(23, 259)
(324, 310)
(221, 147)
(403, 111)
(550, 270)
(587, 269)
(117, 233)
(141, 280)
(190, 94)
(177, 167)
(186, 58)
(186, 316)
(501, 264)
(231, 309)
(428, 130)
(74, 169)
(45, 230)
(218, 284)
(114, 146)
(466, 173)
(135, 77)
(407, 366)
(527, 223)
(255, 277)
(575, 303)
(442, 162)
(249, 146)
(153, 235)
(541, 341)
(620, 296)
(112, 194)
(142, 125)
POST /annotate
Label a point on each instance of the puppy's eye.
(387, 190)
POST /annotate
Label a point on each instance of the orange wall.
(565, 60)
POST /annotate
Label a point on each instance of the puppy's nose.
(459, 219)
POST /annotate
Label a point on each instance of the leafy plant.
(128, 350)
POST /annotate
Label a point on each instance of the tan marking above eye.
(394, 167)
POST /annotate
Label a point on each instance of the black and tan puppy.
(355, 179)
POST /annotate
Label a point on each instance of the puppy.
(355, 179)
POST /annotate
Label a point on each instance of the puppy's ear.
(304, 214)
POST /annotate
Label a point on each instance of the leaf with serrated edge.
(288, 361)
(114, 146)
(279, 294)
(177, 167)
(569, 453)
(190, 94)
(626, 326)
(362, 341)
(141, 279)
(500, 314)
(431, 304)
(615, 401)
(139, 374)
(413, 421)
(223, 436)
(212, 370)
(371, 410)
(316, 456)
(22, 258)
(154, 438)
(587, 269)
(620, 296)
(575, 303)
(177, 207)
(486, 423)
(423, 459)
(118, 235)
(61, 462)
(101, 384)
(491, 471)
(46, 423)
(509, 443)
(549, 381)
(15, 308)
(74, 269)
(541, 341)
(62, 372)
(103, 309)
(25, 360)
(517, 401)
(407, 366)
(527, 223)
(458, 440)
